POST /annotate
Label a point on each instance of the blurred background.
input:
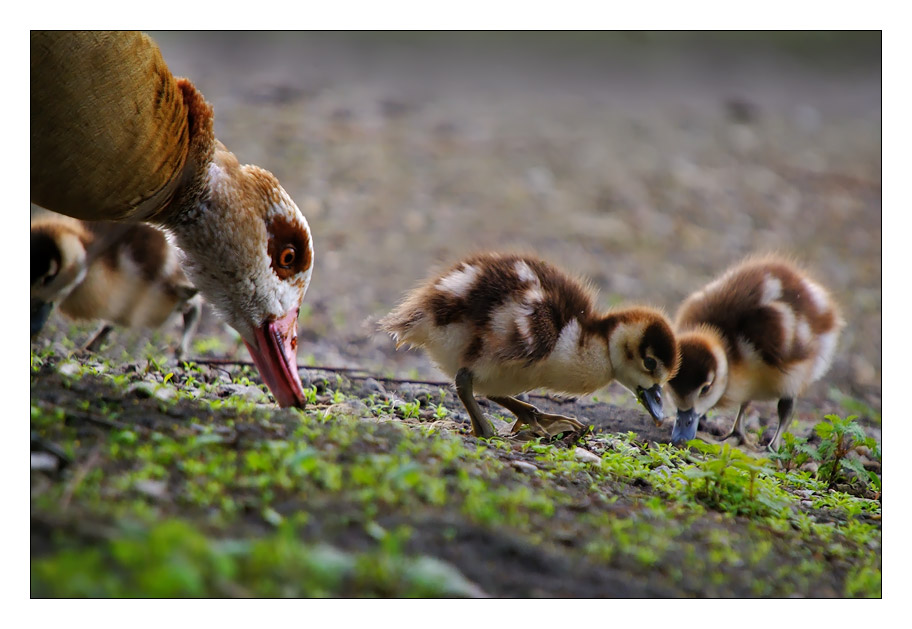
(646, 162)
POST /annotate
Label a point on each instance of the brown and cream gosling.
(763, 330)
(134, 281)
(502, 324)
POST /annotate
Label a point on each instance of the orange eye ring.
(287, 257)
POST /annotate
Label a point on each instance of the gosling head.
(644, 354)
(700, 381)
(58, 264)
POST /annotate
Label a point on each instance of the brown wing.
(735, 308)
(109, 126)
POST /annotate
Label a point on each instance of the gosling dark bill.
(39, 315)
(685, 427)
(651, 398)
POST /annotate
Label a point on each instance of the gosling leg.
(785, 407)
(481, 427)
(100, 337)
(737, 429)
(191, 311)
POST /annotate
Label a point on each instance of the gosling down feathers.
(501, 325)
(763, 330)
(135, 281)
(116, 137)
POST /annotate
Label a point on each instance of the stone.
(246, 391)
(584, 455)
(44, 462)
(349, 408)
(151, 488)
(524, 466)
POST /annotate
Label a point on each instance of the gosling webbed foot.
(547, 425)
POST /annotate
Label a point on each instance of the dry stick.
(351, 371)
(81, 472)
(101, 421)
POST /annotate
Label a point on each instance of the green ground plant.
(262, 498)
(838, 438)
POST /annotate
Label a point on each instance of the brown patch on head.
(697, 362)
(47, 236)
(45, 255)
(289, 247)
(660, 340)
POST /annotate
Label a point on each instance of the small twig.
(218, 361)
(351, 371)
(81, 472)
(432, 383)
(358, 373)
(100, 421)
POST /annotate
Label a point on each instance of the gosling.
(503, 324)
(134, 281)
(764, 330)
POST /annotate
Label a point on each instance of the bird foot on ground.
(549, 427)
(740, 439)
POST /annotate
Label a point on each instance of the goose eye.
(287, 257)
(649, 363)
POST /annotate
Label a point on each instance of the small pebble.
(584, 455)
(142, 389)
(523, 466)
(811, 467)
(165, 394)
(246, 391)
(69, 369)
(44, 462)
(370, 386)
(151, 488)
(349, 408)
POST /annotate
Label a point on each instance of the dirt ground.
(645, 163)
(674, 555)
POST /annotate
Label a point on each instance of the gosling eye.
(704, 390)
(287, 257)
(649, 363)
(53, 268)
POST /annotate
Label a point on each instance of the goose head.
(248, 248)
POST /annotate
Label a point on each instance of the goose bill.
(685, 427)
(274, 356)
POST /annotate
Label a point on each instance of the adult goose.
(116, 137)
